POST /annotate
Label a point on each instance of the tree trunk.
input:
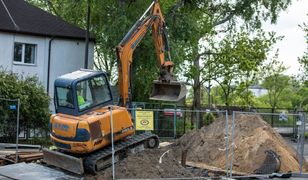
(227, 103)
(195, 116)
(272, 118)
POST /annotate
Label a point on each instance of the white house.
(34, 42)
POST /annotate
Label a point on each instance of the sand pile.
(146, 165)
(253, 137)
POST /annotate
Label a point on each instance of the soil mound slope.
(146, 165)
(253, 138)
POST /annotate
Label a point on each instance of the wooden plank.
(164, 144)
(25, 156)
(26, 146)
(213, 169)
(7, 159)
(30, 155)
(20, 151)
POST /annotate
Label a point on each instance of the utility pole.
(87, 36)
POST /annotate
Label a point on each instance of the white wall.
(40, 63)
(6, 50)
(66, 56)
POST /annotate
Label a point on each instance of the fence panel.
(9, 120)
(173, 122)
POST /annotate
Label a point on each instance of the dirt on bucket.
(253, 137)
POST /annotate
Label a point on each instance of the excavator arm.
(166, 88)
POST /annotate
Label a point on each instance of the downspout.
(49, 59)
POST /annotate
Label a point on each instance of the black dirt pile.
(253, 138)
(146, 165)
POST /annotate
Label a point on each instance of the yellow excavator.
(81, 128)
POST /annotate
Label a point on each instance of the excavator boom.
(166, 88)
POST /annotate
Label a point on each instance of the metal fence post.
(174, 124)
(112, 144)
(17, 129)
(227, 146)
(156, 115)
(232, 143)
(302, 139)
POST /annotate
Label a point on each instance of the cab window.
(64, 97)
(92, 92)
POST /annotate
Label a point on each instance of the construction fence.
(13, 125)
(236, 144)
(9, 120)
(173, 123)
(228, 139)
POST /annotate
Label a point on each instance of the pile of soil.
(146, 165)
(252, 137)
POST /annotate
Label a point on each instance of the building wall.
(6, 50)
(7, 54)
(38, 68)
(67, 55)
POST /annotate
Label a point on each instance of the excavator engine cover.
(173, 91)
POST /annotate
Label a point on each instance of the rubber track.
(131, 142)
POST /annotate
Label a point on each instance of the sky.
(293, 44)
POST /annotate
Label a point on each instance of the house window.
(24, 53)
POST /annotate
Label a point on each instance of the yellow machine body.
(93, 128)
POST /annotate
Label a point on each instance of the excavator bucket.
(173, 91)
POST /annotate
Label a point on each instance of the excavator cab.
(79, 92)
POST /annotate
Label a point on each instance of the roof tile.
(33, 20)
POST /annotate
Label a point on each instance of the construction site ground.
(205, 155)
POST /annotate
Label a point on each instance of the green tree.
(216, 19)
(304, 59)
(193, 26)
(302, 92)
(34, 108)
(239, 58)
(296, 94)
(275, 82)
